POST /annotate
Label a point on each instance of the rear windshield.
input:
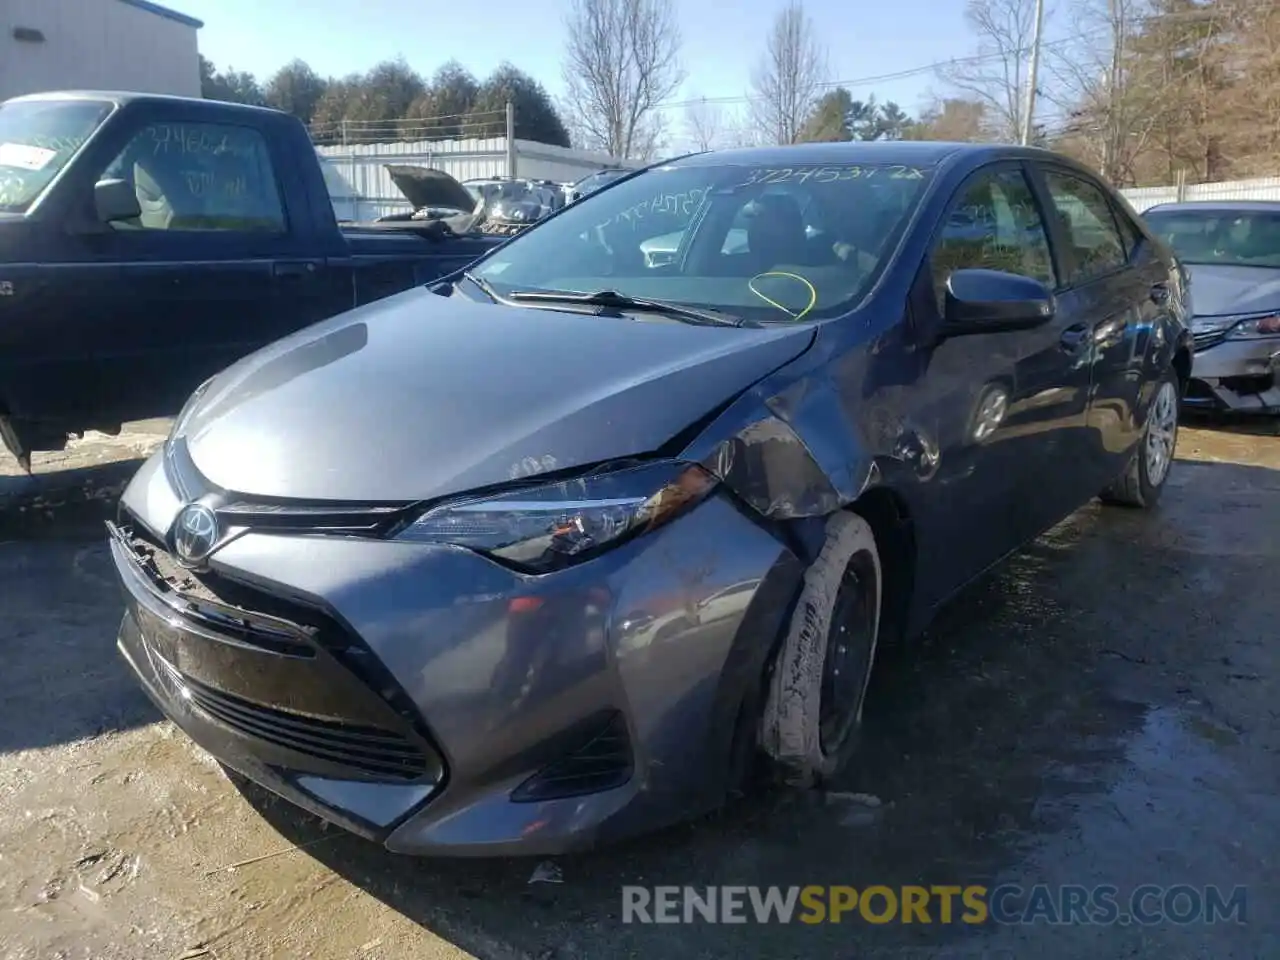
(770, 244)
(37, 138)
(1243, 238)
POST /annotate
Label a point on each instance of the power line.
(940, 65)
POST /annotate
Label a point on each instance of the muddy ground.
(1104, 709)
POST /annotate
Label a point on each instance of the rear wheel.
(820, 675)
(1144, 478)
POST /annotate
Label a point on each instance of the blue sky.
(864, 37)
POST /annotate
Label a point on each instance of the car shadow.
(62, 680)
(1251, 425)
(1017, 725)
(979, 743)
(63, 504)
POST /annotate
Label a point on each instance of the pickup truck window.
(37, 138)
(200, 176)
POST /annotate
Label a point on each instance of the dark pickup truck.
(148, 242)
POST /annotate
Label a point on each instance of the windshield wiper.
(620, 301)
(485, 287)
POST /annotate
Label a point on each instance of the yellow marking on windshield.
(813, 293)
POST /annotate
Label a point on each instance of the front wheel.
(1144, 478)
(820, 675)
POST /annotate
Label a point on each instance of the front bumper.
(1237, 376)
(438, 703)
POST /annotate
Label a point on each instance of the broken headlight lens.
(1254, 327)
(545, 527)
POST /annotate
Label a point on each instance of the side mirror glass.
(115, 200)
(989, 301)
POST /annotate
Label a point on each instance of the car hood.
(421, 395)
(1219, 290)
(425, 187)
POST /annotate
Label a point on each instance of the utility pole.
(1030, 106)
(513, 155)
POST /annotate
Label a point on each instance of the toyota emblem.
(195, 533)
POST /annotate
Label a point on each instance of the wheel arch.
(889, 516)
(1182, 367)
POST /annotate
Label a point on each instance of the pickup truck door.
(135, 315)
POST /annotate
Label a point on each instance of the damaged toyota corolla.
(563, 549)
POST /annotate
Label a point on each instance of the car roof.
(1219, 206)
(124, 97)
(909, 152)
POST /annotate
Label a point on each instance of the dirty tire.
(1136, 487)
(790, 729)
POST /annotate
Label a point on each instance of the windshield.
(767, 244)
(37, 138)
(1244, 238)
(594, 181)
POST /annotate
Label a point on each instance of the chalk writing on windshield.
(662, 204)
(832, 174)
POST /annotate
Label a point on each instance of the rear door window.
(1088, 225)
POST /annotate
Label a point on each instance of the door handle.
(1160, 293)
(1075, 337)
(294, 269)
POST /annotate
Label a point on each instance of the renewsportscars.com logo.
(971, 904)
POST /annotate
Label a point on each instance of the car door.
(146, 309)
(1002, 402)
(1107, 296)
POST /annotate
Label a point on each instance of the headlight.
(542, 528)
(1256, 327)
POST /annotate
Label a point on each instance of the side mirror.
(990, 301)
(115, 200)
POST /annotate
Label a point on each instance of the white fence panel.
(1259, 188)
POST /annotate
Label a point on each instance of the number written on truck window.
(200, 176)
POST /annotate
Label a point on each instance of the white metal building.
(97, 45)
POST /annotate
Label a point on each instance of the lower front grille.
(375, 751)
(303, 683)
(601, 763)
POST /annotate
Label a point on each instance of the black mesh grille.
(376, 751)
(603, 762)
(246, 615)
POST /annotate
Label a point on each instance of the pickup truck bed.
(148, 242)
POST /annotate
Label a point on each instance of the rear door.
(144, 311)
(1107, 293)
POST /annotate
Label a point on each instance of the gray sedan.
(1232, 252)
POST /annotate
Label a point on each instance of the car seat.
(775, 233)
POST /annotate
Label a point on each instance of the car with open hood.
(1231, 250)
(559, 549)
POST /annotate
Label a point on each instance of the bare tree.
(741, 129)
(622, 59)
(1114, 104)
(704, 124)
(996, 75)
(786, 82)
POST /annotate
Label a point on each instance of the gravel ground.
(1103, 709)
